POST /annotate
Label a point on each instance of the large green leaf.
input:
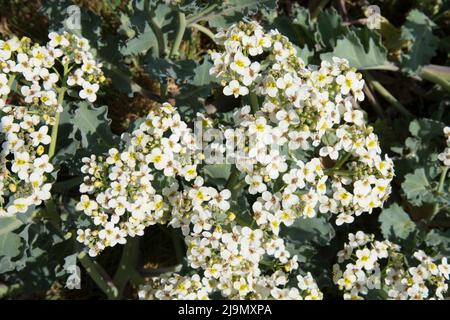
(201, 74)
(139, 44)
(316, 230)
(439, 241)
(232, 11)
(426, 129)
(329, 28)
(94, 127)
(161, 69)
(417, 187)
(363, 49)
(419, 30)
(8, 224)
(396, 223)
(9, 245)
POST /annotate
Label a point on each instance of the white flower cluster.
(121, 193)
(33, 80)
(131, 189)
(366, 266)
(230, 256)
(445, 155)
(333, 162)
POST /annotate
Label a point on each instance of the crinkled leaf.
(329, 28)
(363, 49)
(139, 44)
(306, 27)
(9, 245)
(94, 127)
(417, 187)
(202, 76)
(426, 129)
(306, 54)
(217, 171)
(9, 224)
(418, 28)
(396, 223)
(162, 69)
(233, 11)
(439, 241)
(317, 230)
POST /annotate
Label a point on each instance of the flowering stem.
(232, 182)
(156, 30)
(317, 7)
(130, 255)
(429, 75)
(439, 188)
(196, 17)
(10, 83)
(203, 29)
(254, 101)
(163, 90)
(178, 246)
(341, 162)
(345, 173)
(99, 276)
(388, 96)
(95, 271)
(180, 34)
(373, 101)
(52, 148)
(442, 179)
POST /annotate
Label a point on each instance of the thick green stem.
(373, 101)
(254, 101)
(317, 7)
(10, 83)
(442, 179)
(442, 72)
(203, 29)
(178, 246)
(156, 30)
(341, 161)
(427, 74)
(197, 17)
(52, 148)
(163, 91)
(377, 86)
(179, 35)
(439, 188)
(127, 264)
(99, 276)
(344, 173)
(233, 179)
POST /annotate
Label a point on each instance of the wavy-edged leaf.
(363, 49)
(317, 230)
(94, 127)
(417, 187)
(418, 29)
(396, 223)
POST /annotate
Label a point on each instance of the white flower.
(366, 258)
(87, 205)
(348, 82)
(235, 89)
(41, 136)
(240, 63)
(221, 199)
(89, 91)
(256, 184)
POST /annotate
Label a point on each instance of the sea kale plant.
(249, 155)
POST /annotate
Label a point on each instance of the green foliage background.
(406, 63)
